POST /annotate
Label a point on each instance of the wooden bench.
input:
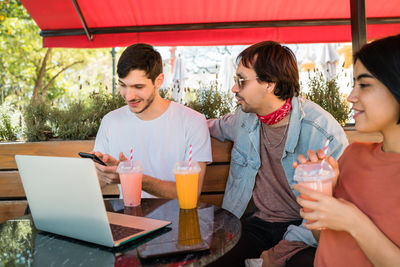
(12, 196)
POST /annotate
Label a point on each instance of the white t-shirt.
(157, 143)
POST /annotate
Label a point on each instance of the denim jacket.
(309, 127)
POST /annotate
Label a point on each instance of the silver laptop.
(65, 198)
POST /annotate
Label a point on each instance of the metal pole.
(358, 24)
(113, 70)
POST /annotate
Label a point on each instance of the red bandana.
(277, 115)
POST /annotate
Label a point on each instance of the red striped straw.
(325, 151)
(190, 155)
(131, 158)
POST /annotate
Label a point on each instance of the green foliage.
(8, 128)
(78, 121)
(72, 123)
(166, 94)
(100, 104)
(16, 239)
(22, 56)
(7, 131)
(36, 118)
(326, 93)
(209, 101)
(12, 9)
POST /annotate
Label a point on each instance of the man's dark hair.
(273, 62)
(382, 59)
(140, 57)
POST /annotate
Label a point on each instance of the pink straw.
(190, 155)
(131, 154)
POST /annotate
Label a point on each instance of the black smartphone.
(92, 156)
(165, 249)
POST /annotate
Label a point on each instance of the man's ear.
(271, 87)
(159, 80)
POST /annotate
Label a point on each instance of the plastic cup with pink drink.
(131, 174)
(315, 176)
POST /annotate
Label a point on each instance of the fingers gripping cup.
(187, 183)
(316, 176)
(131, 174)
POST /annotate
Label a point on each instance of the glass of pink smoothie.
(316, 176)
(131, 174)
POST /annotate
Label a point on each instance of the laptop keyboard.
(119, 231)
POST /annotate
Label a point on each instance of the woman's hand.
(327, 211)
(315, 157)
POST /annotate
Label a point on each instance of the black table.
(21, 244)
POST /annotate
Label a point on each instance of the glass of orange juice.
(187, 183)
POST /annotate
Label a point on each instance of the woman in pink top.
(360, 224)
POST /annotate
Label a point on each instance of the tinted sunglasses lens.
(238, 81)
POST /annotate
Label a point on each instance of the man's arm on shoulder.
(167, 189)
(222, 128)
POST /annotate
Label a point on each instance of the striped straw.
(131, 158)
(325, 151)
(190, 155)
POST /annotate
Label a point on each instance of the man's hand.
(108, 174)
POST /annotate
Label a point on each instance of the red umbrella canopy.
(205, 22)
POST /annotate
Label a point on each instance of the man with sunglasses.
(270, 129)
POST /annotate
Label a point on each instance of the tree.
(30, 73)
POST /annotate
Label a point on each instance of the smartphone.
(169, 248)
(92, 156)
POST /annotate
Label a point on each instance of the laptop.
(65, 198)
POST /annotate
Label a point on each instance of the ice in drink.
(187, 183)
(131, 174)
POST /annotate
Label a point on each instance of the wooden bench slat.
(353, 135)
(110, 190)
(215, 199)
(215, 178)
(11, 209)
(221, 151)
(51, 148)
(11, 186)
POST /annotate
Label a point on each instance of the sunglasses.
(240, 81)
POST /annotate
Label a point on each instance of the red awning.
(206, 22)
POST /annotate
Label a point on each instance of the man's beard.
(148, 102)
(245, 108)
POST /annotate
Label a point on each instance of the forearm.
(159, 188)
(222, 128)
(379, 249)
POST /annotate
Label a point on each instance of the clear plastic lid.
(313, 172)
(130, 166)
(185, 167)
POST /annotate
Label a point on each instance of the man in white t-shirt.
(159, 131)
